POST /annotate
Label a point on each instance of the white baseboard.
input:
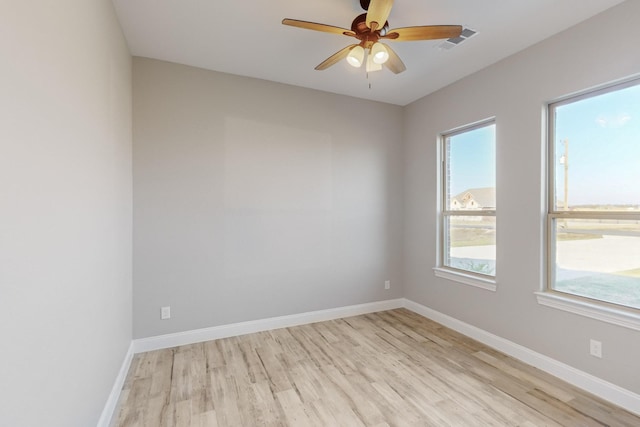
(594, 385)
(224, 331)
(114, 396)
(603, 389)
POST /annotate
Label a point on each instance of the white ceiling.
(246, 37)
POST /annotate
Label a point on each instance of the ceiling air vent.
(455, 41)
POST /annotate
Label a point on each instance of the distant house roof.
(485, 197)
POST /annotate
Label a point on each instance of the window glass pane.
(471, 243)
(471, 169)
(599, 259)
(597, 152)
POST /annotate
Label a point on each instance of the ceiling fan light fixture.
(356, 56)
(371, 65)
(367, 29)
(379, 53)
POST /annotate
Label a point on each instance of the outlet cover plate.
(595, 348)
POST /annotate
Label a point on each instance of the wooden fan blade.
(335, 58)
(378, 13)
(394, 63)
(425, 32)
(318, 27)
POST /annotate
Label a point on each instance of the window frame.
(480, 280)
(549, 296)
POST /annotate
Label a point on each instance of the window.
(594, 196)
(468, 210)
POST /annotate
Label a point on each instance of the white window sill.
(593, 310)
(467, 279)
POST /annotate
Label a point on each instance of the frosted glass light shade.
(356, 56)
(372, 66)
(379, 53)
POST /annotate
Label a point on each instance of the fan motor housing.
(363, 33)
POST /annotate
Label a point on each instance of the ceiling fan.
(370, 28)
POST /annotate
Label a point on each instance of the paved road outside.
(609, 254)
(588, 267)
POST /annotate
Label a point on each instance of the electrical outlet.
(165, 313)
(595, 348)
(387, 284)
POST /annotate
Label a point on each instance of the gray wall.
(65, 210)
(255, 199)
(515, 90)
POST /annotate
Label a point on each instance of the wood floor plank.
(269, 412)
(392, 368)
(559, 393)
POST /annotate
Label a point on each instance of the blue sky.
(604, 151)
(604, 148)
(472, 160)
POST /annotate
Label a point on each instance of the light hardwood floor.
(393, 368)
